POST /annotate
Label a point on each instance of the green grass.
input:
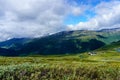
(103, 66)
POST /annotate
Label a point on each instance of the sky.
(35, 18)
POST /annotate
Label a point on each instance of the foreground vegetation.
(102, 66)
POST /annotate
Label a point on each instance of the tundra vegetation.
(102, 66)
(73, 55)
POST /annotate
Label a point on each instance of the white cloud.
(78, 10)
(107, 16)
(32, 18)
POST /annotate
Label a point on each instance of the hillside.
(15, 43)
(65, 42)
(114, 46)
(7, 52)
(71, 42)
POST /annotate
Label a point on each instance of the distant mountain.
(110, 35)
(109, 30)
(111, 47)
(8, 52)
(71, 42)
(65, 42)
(15, 43)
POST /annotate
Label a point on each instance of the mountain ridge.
(65, 42)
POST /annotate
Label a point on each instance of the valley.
(59, 39)
(73, 55)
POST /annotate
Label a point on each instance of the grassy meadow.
(102, 66)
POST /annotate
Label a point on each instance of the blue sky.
(88, 2)
(72, 19)
(98, 14)
(35, 18)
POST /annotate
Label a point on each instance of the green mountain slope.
(8, 52)
(15, 43)
(50, 46)
(106, 36)
(71, 42)
(114, 46)
(66, 42)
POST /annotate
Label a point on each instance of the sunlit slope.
(114, 46)
(71, 42)
(65, 42)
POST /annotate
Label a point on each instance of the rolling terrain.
(105, 65)
(66, 42)
(99, 59)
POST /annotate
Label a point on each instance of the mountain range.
(65, 42)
